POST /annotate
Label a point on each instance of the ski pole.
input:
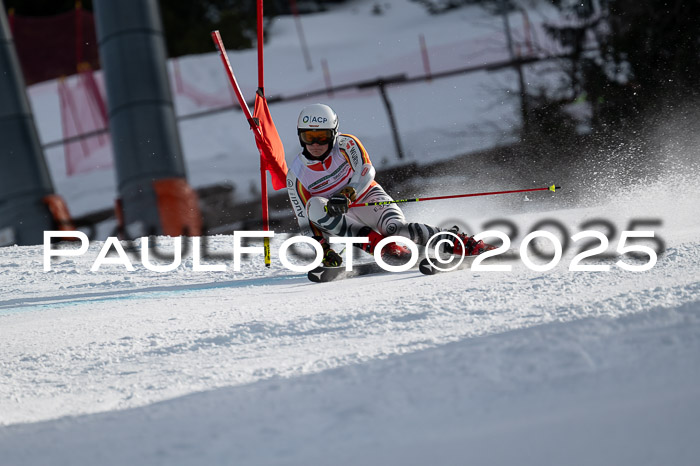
(552, 188)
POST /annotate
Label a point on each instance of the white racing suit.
(311, 183)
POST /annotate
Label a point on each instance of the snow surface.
(263, 367)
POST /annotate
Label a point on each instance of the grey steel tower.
(154, 197)
(28, 204)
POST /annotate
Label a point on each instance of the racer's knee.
(392, 222)
(316, 209)
(392, 227)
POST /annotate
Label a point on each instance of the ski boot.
(468, 247)
(392, 253)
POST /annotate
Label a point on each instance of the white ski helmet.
(318, 117)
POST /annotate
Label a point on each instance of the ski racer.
(334, 170)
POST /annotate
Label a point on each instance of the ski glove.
(330, 257)
(339, 203)
(349, 192)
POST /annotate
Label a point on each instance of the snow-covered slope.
(263, 367)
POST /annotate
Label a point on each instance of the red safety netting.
(57, 46)
(52, 46)
(83, 112)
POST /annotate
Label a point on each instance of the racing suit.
(310, 183)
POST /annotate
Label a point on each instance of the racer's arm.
(298, 198)
(360, 163)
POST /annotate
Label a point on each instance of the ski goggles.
(316, 136)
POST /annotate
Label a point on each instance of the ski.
(324, 274)
(426, 268)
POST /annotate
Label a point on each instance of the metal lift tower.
(28, 204)
(154, 196)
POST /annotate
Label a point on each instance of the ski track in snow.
(263, 367)
(600, 390)
(121, 343)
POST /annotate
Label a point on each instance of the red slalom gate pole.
(552, 188)
(263, 172)
(253, 125)
(261, 61)
(424, 54)
(234, 83)
(300, 33)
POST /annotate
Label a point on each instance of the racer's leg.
(340, 225)
(389, 219)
